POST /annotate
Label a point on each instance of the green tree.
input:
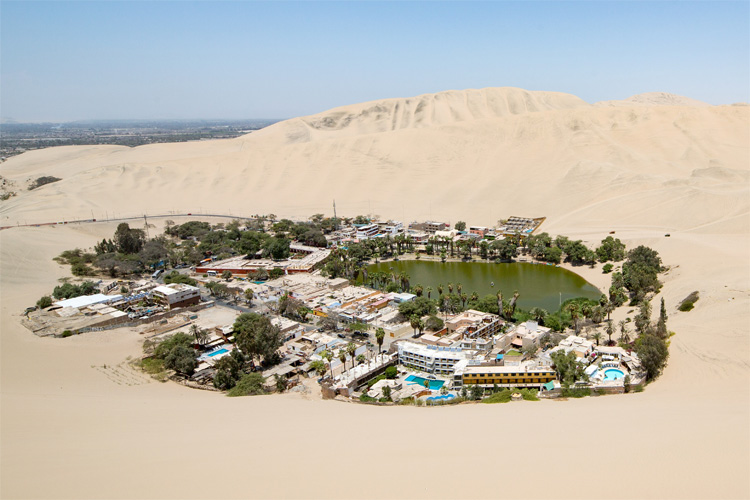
(182, 360)
(45, 301)
(228, 371)
(460, 226)
(257, 337)
(226, 275)
(653, 353)
(127, 240)
(319, 367)
(351, 348)
(251, 384)
(379, 337)
(643, 318)
(661, 324)
(611, 249)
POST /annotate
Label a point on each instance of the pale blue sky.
(65, 61)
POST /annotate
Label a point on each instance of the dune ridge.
(644, 168)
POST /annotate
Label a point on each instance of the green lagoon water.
(538, 284)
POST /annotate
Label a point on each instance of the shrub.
(638, 388)
(81, 269)
(41, 181)
(250, 384)
(391, 372)
(529, 394)
(576, 392)
(688, 302)
(499, 397)
(66, 334)
(175, 277)
(45, 301)
(367, 399)
(607, 268)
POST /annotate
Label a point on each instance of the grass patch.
(576, 392)
(367, 399)
(154, 367)
(513, 352)
(66, 334)
(688, 302)
(529, 394)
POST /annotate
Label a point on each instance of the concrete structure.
(367, 231)
(430, 359)
(430, 227)
(177, 295)
(473, 323)
(87, 300)
(523, 375)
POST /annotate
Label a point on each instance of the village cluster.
(469, 351)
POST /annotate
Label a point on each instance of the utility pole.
(335, 219)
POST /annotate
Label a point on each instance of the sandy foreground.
(71, 428)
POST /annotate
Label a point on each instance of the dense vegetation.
(688, 302)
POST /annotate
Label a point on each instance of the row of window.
(523, 374)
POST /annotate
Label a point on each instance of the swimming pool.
(441, 398)
(613, 374)
(435, 385)
(216, 353)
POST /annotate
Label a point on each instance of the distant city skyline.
(67, 61)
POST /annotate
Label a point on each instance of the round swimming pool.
(613, 374)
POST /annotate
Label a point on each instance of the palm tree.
(379, 337)
(624, 336)
(450, 288)
(597, 336)
(342, 358)
(500, 309)
(610, 331)
(440, 289)
(351, 348)
(574, 311)
(474, 296)
(459, 287)
(418, 290)
(319, 367)
(328, 356)
(429, 291)
(463, 300)
(414, 321)
(201, 335)
(538, 314)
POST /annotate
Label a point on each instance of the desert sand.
(643, 166)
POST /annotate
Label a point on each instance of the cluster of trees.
(68, 291)
(652, 342)
(544, 247)
(176, 353)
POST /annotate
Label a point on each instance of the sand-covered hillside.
(642, 167)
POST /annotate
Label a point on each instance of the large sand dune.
(644, 167)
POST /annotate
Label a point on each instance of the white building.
(177, 295)
(430, 359)
(367, 231)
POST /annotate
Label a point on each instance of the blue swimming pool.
(435, 385)
(613, 374)
(216, 353)
(441, 398)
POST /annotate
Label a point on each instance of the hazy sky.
(65, 61)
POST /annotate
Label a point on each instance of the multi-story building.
(177, 295)
(429, 358)
(367, 231)
(472, 323)
(523, 375)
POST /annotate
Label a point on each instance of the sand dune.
(644, 167)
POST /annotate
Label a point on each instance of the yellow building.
(502, 376)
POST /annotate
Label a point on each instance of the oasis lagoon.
(538, 285)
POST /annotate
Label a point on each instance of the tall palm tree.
(342, 358)
(351, 348)
(474, 296)
(538, 313)
(464, 297)
(429, 291)
(450, 288)
(328, 356)
(440, 289)
(459, 287)
(574, 311)
(597, 336)
(500, 308)
(610, 331)
(624, 335)
(379, 337)
(418, 290)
